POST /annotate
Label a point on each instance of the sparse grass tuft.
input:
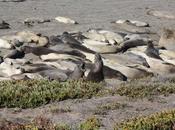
(57, 109)
(159, 121)
(103, 109)
(33, 93)
(91, 123)
(39, 123)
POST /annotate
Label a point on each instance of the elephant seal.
(100, 47)
(4, 44)
(1, 59)
(65, 20)
(156, 65)
(54, 74)
(161, 14)
(131, 72)
(151, 51)
(167, 39)
(96, 73)
(4, 25)
(19, 77)
(15, 54)
(67, 38)
(8, 70)
(78, 72)
(39, 51)
(132, 28)
(32, 21)
(109, 73)
(73, 43)
(132, 22)
(54, 40)
(104, 36)
(132, 43)
(31, 37)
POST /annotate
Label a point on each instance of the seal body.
(151, 51)
(96, 73)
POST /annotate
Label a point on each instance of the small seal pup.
(96, 73)
(151, 51)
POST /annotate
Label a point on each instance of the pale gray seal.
(54, 74)
(151, 51)
(61, 75)
(96, 73)
(78, 72)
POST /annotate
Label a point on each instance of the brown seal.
(151, 51)
(96, 73)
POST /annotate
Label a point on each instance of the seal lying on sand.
(109, 73)
(73, 43)
(161, 14)
(44, 51)
(156, 65)
(54, 40)
(127, 59)
(31, 37)
(63, 75)
(167, 39)
(132, 43)
(4, 25)
(100, 47)
(65, 20)
(132, 22)
(78, 72)
(5, 44)
(132, 28)
(151, 51)
(104, 36)
(96, 73)
(14, 54)
(7, 70)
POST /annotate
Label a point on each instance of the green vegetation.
(33, 93)
(159, 121)
(145, 88)
(91, 123)
(39, 123)
(42, 123)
